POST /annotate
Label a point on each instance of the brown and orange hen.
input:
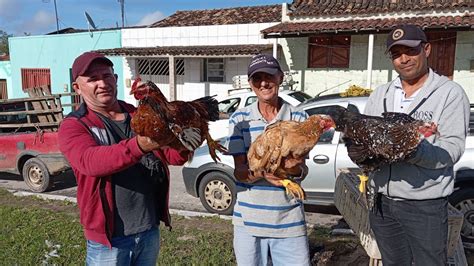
(176, 124)
(283, 141)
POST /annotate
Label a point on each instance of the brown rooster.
(373, 141)
(177, 123)
(283, 141)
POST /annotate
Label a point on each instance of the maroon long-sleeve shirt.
(93, 160)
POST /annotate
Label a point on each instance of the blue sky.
(20, 17)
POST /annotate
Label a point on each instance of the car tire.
(36, 175)
(217, 193)
(463, 200)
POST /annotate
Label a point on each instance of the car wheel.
(36, 175)
(463, 200)
(217, 193)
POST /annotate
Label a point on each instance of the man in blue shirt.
(267, 221)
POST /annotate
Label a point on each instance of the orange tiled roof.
(218, 50)
(354, 7)
(367, 25)
(225, 16)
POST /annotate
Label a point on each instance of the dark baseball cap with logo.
(263, 63)
(82, 63)
(406, 35)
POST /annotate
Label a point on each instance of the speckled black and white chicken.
(373, 141)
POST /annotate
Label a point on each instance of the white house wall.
(196, 35)
(128, 69)
(316, 80)
(189, 86)
(193, 87)
(464, 55)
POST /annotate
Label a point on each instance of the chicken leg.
(213, 146)
(363, 187)
(293, 189)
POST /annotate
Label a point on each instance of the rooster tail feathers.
(211, 106)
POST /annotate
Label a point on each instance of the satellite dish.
(90, 22)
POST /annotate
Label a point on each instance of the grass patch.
(36, 236)
(193, 241)
(36, 231)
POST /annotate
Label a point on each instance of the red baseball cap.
(82, 63)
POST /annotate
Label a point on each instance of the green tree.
(4, 42)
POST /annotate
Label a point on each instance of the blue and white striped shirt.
(263, 209)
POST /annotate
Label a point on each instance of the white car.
(219, 129)
(214, 183)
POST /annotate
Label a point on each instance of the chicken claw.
(293, 189)
(213, 146)
(363, 189)
(363, 183)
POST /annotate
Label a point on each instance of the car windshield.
(300, 96)
(229, 106)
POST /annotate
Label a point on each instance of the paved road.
(65, 185)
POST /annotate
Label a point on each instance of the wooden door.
(3, 89)
(443, 52)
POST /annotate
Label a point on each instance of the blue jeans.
(251, 250)
(409, 231)
(137, 249)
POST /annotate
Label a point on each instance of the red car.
(28, 141)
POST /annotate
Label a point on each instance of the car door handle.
(321, 159)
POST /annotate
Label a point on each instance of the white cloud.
(151, 18)
(8, 9)
(40, 22)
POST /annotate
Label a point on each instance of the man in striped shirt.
(267, 221)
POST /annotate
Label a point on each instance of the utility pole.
(122, 9)
(56, 11)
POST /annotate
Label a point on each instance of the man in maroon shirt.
(122, 179)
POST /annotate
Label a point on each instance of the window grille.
(35, 77)
(159, 67)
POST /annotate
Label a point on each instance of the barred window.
(159, 67)
(35, 77)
